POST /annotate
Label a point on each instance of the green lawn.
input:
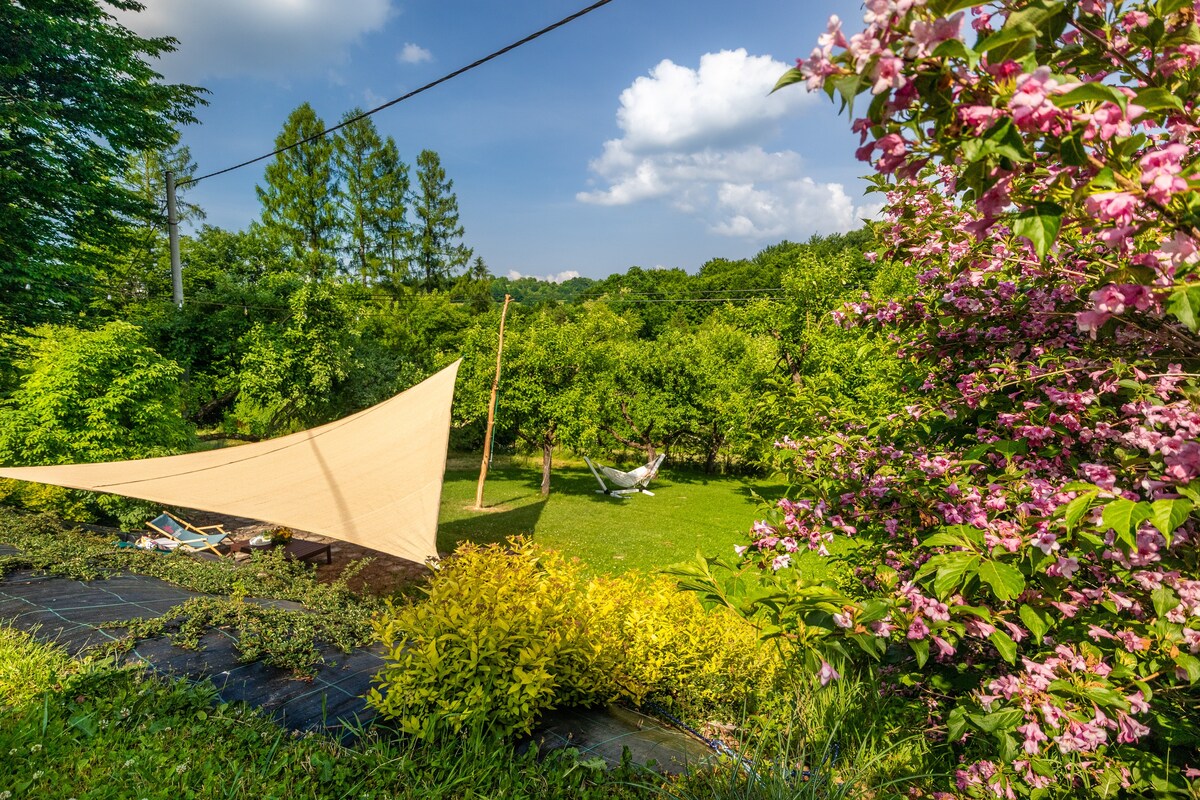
(690, 511)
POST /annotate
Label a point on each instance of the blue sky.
(638, 135)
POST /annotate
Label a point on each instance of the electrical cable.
(404, 97)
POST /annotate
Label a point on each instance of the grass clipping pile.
(508, 633)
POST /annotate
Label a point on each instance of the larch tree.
(437, 236)
(300, 197)
(372, 189)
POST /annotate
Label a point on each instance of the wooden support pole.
(487, 436)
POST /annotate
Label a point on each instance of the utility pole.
(487, 436)
(173, 236)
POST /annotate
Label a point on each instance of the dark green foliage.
(372, 190)
(292, 372)
(299, 198)
(532, 291)
(437, 251)
(79, 99)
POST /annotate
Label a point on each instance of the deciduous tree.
(78, 98)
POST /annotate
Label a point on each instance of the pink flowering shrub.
(1026, 532)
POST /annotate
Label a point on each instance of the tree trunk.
(651, 452)
(547, 453)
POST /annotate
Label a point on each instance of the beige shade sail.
(373, 478)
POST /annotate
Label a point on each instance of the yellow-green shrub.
(674, 651)
(502, 636)
(506, 634)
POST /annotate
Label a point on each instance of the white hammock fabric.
(373, 478)
(630, 482)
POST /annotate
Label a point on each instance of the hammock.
(631, 482)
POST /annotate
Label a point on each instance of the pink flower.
(1116, 207)
(1099, 474)
(781, 561)
(1030, 104)
(1129, 730)
(827, 673)
(918, 629)
(1033, 735)
(1160, 172)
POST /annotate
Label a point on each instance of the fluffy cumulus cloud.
(558, 277)
(274, 39)
(695, 138)
(413, 54)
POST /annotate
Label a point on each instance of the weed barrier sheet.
(73, 614)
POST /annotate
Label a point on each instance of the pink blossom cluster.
(1036, 504)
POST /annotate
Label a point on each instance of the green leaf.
(1005, 646)
(1123, 516)
(952, 570)
(1020, 26)
(1190, 665)
(1164, 600)
(1184, 305)
(1006, 581)
(1152, 98)
(1003, 720)
(793, 75)
(1109, 783)
(956, 724)
(956, 48)
(920, 648)
(1040, 225)
(1091, 92)
(1077, 508)
(1191, 491)
(1009, 448)
(944, 8)
(955, 536)
(1034, 621)
(1168, 515)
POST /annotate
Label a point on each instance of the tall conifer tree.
(373, 184)
(437, 236)
(299, 200)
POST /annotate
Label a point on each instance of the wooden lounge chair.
(188, 535)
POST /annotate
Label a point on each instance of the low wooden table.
(296, 549)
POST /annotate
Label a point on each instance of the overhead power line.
(413, 93)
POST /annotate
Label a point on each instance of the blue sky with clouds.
(641, 134)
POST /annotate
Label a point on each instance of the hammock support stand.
(626, 483)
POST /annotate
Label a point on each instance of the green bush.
(505, 635)
(502, 637)
(672, 651)
(85, 396)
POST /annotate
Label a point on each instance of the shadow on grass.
(491, 526)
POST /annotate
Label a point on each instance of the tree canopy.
(79, 98)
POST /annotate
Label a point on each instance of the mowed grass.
(690, 512)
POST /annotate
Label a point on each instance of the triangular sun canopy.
(373, 478)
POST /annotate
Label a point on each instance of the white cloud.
(559, 277)
(694, 138)
(413, 54)
(262, 38)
